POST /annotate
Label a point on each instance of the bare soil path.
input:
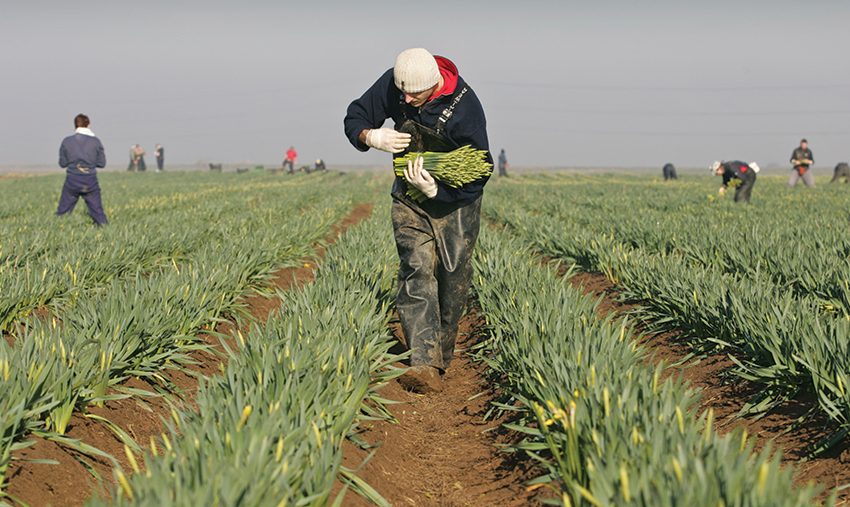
(442, 451)
(73, 480)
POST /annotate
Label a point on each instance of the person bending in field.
(433, 109)
(669, 171)
(741, 174)
(81, 154)
(842, 173)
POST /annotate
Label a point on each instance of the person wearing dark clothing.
(503, 163)
(842, 173)
(433, 109)
(802, 160)
(159, 153)
(669, 171)
(741, 174)
(81, 154)
(320, 165)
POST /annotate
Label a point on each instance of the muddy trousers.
(807, 178)
(87, 187)
(745, 189)
(435, 244)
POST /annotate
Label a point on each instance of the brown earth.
(443, 451)
(74, 480)
(42, 312)
(787, 426)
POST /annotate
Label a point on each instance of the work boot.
(422, 379)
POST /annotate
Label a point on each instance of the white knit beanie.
(415, 70)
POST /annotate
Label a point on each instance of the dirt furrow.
(443, 451)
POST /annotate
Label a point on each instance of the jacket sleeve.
(63, 156)
(471, 129)
(727, 176)
(101, 155)
(812, 157)
(370, 110)
(793, 156)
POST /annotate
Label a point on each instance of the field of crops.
(88, 315)
(767, 283)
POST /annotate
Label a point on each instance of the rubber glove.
(387, 140)
(417, 176)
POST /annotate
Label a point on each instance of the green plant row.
(797, 239)
(269, 430)
(603, 425)
(136, 326)
(782, 338)
(30, 201)
(44, 260)
(454, 168)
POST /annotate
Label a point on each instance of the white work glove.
(387, 140)
(417, 176)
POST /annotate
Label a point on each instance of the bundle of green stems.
(454, 168)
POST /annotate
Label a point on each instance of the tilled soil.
(42, 312)
(74, 480)
(784, 427)
(442, 451)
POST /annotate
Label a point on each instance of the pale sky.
(569, 83)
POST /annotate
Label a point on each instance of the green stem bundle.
(454, 168)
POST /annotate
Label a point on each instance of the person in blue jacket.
(81, 154)
(432, 109)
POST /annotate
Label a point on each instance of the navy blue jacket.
(467, 125)
(81, 154)
(735, 169)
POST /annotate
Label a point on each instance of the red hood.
(449, 72)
